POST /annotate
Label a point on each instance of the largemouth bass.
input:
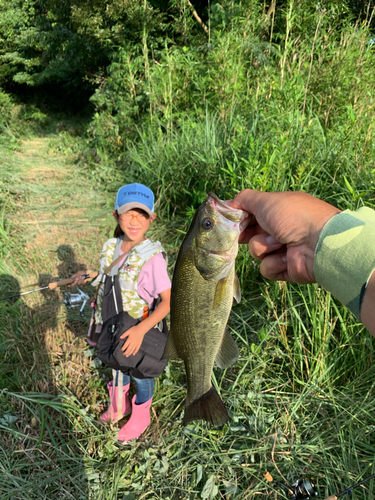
(203, 286)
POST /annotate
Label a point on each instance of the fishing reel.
(75, 299)
(302, 489)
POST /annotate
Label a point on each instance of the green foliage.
(8, 141)
(33, 114)
(6, 107)
(307, 89)
(271, 101)
(20, 50)
(66, 42)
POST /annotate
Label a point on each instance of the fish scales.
(196, 347)
(203, 286)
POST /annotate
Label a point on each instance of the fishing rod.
(56, 284)
(303, 489)
(349, 490)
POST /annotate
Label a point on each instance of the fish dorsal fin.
(228, 352)
(170, 350)
(237, 289)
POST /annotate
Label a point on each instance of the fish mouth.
(233, 214)
(218, 201)
(230, 213)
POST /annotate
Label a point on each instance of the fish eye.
(207, 224)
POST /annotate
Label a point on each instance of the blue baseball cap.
(135, 196)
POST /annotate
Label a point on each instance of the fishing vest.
(128, 274)
(122, 308)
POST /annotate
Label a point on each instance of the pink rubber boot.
(137, 423)
(112, 414)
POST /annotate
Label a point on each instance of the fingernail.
(272, 241)
(284, 258)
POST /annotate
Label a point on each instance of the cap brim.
(134, 204)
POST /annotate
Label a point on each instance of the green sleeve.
(345, 256)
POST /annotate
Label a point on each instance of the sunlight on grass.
(238, 112)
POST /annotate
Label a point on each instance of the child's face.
(134, 223)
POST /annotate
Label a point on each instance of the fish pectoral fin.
(228, 352)
(170, 350)
(237, 289)
(220, 292)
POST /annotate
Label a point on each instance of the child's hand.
(133, 342)
(78, 278)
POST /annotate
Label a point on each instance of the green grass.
(300, 397)
(297, 114)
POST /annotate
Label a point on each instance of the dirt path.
(63, 221)
(61, 207)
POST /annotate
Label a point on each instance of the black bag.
(147, 363)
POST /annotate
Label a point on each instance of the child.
(142, 280)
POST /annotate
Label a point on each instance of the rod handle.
(68, 281)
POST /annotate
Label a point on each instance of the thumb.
(249, 200)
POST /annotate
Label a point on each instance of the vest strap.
(115, 260)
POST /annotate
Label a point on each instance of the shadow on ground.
(39, 442)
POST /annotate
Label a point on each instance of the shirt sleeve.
(345, 256)
(153, 278)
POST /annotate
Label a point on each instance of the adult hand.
(134, 340)
(283, 231)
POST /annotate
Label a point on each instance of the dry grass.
(56, 243)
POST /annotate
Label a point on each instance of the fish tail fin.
(208, 407)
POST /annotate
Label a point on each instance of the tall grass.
(297, 406)
(282, 103)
